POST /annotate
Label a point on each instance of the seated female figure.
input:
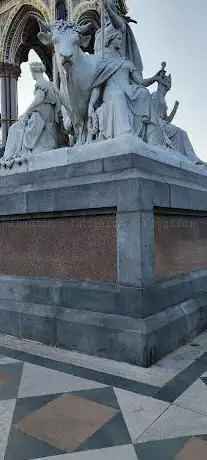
(126, 105)
(37, 130)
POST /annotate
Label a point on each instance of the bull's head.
(67, 38)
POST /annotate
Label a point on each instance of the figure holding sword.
(111, 18)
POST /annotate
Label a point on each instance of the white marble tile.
(181, 358)
(110, 453)
(2, 451)
(6, 360)
(151, 376)
(6, 414)
(38, 381)
(157, 375)
(194, 398)
(204, 374)
(139, 411)
(175, 422)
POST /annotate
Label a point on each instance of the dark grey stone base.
(138, 320)
(81, 316)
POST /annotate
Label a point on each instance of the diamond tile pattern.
(50, 411)
(66, 422)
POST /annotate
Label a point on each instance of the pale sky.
(174, 31)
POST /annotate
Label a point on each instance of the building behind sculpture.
(18, 35)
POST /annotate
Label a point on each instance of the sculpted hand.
(156, 77)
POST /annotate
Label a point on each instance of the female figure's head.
(37, 69)
(112, 42)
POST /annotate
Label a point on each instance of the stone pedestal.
(105, 251)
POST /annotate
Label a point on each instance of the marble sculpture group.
(101, 96)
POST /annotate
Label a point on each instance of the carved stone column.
(3, 110)
(9, 75)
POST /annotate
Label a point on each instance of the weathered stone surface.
(137, 319)
(136, 341)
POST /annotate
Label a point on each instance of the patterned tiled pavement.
(61, 405)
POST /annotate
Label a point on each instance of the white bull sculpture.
(76, 68)
(81, 73)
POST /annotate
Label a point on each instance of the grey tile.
(125, 452)
(80, 371)
(26, 406)
(194, 398)
(38, 322)
(104, 396)
(40, 201)
(10, 376)
(173, 389)
(175, 422)
(160, 450)
(21, 446)
(13, 204)
(50, 382)
(139, 411)
(113, 433)
(9, 317)
(6, 414)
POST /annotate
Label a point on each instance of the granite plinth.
(132, 316)
(69, 247)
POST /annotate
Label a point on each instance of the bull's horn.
(86, 27)
(45, 25)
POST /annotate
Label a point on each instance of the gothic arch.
(82, 9)
(85, 12)
(93, 17)
(20, 34)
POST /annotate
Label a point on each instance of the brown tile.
(4, 378)
(195, 449)
(67, 422)
(180, 244)
(72, 248)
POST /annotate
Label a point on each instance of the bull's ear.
(45, 38)
(85, 40)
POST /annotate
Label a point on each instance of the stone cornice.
(83, 7)
(41, 7)
(9, 70)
